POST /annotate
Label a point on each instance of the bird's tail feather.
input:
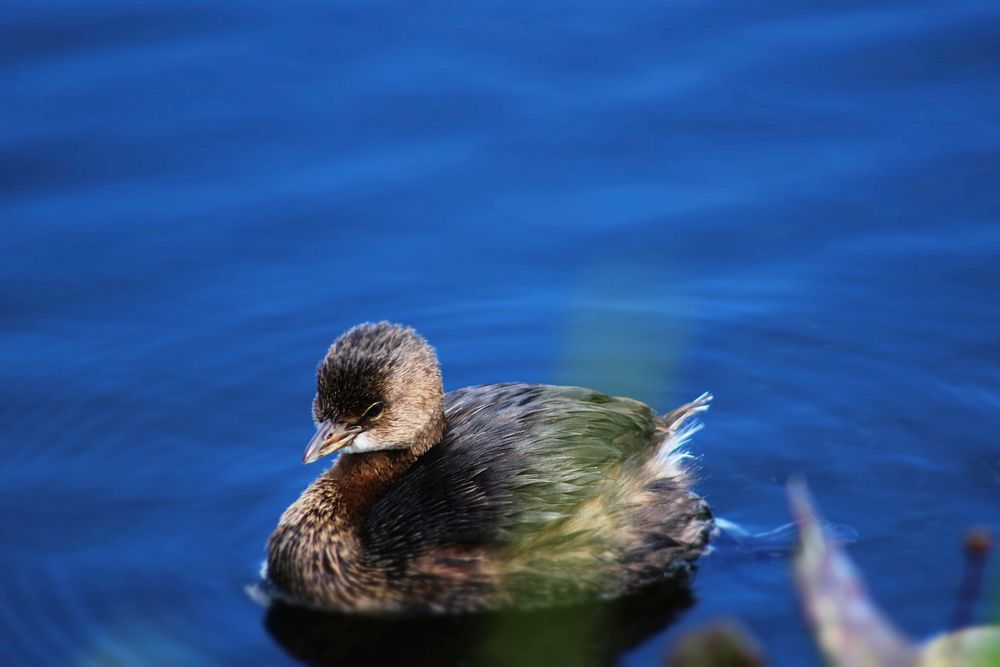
(677, 427)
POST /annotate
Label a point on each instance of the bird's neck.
(356, 481)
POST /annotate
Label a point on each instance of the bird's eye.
(374, 411)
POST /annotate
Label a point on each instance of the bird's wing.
(517, 459)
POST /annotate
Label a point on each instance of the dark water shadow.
(591, 634)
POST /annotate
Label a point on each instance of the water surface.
(795, 207)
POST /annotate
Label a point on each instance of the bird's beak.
(330, 436)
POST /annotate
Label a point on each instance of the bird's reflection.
(592, 634)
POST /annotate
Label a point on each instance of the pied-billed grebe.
(489, 496)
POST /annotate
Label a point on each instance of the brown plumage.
(489, 496)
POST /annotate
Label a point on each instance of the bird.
(487, 497)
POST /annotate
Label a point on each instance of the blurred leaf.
(850, 629)
(724, 644)
(972, 647)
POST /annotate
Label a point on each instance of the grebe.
(485, 497)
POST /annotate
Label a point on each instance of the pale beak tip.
(329, 437)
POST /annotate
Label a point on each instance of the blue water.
(795, 207)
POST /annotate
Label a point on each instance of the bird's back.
(539, 493)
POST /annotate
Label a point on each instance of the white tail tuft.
(679, 426)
